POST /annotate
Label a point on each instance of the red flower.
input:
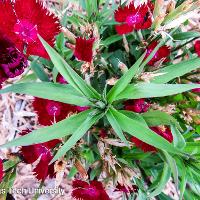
(41, 152)
(85, 191)
(83, 50)
(161, 55)
(133, 18)
(12, 62)
(60, 79)
(50, 111)
(165, 133)
(1, 170)
(137, 105)
(22, 21)
(197, 47)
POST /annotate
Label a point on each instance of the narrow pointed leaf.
(135, 116)
(172, 164)
(58, 130)
(178, 138)
(176, 70)
(163, 181)
(157, 118)
(143, 133)
(124, 80)
(39, 71)
(68, 73)
(116, 126)
(186, 35)
(47, 90)
(150, 90)
(77, 135)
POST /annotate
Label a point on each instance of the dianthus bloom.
(12, 61)
(165, 132)
(1, 170)
(197, 90)
(50, 111)
(42, 153)
(84, 49)
(160, 56)
(133, 18)
(197, 47)
(88, 191)
(137, 105)
(22, 21)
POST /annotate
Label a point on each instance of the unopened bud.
(158, 21)
(70, 46)
(112, 81)
(69, 35)
(123, 67)
(171, 6)
(81, 169)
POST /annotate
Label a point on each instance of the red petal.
(123, 12)
(123, 29)
(31, 153)
(42, 169)
(7, 18)
(142, 145)
(79, 183)
(84, 49)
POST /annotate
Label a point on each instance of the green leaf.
(192, 147)
(124, 80)
(186, 35)
(172, 164)
(183, 182)
(163, 181)
(178, 138)
(176, 70)
(69, 74)
(110, 40)
(157, 118)
(150, 90)
(47, 90)
(134, 116)
(77, 135)
(116, 126)
(39, 71)
(58, 130)
(141, 132)
(163, 196)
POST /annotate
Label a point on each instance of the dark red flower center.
(53, 108)
(26, 31)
